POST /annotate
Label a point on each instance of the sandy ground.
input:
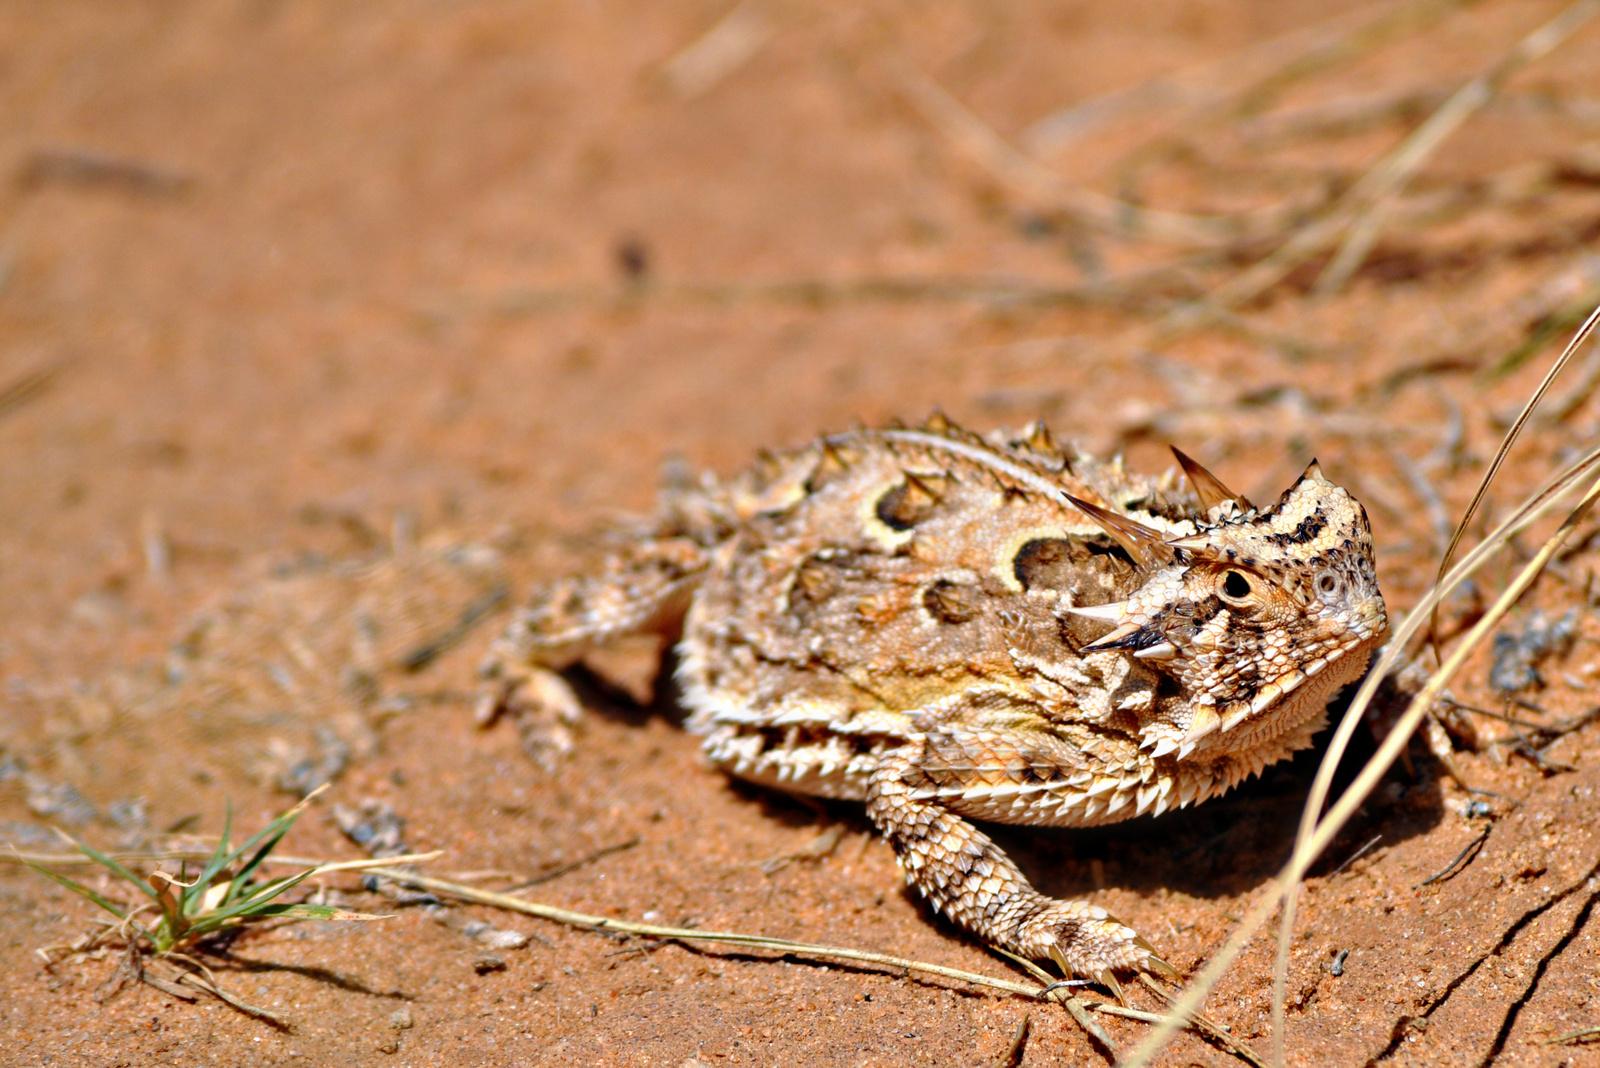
(321, 324)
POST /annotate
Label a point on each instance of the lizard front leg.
(915, 797)
(642, 589)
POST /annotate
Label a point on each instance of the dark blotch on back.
(951, 602)
(1060, 563)
(904, 506)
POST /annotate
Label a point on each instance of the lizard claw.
(1153, 963)
(1109, 981)
(1086, 940)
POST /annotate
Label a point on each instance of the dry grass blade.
(205, 984)
(1076, 1007)
(1510, 438)
(1032, 179)
(319, 867)
(1390, 174)
(1325, 829)
(1205, 1025)
(1324, 778)
(1241, 82)
(27, 386)
(1403, 163)
(1019, 1041)
(735, 40)
(689, 934)
(192, 917)
(1575, 1037)
(1049, 990)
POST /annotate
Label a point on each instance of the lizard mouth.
(1288, 694)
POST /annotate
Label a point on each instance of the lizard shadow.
(1234, 843)
(1220, 848)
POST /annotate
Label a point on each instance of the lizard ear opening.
(1208, 487)
(1147, 547)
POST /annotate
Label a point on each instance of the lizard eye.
(1329, 585)
(1236, 587)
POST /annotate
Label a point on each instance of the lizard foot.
(1086, 940)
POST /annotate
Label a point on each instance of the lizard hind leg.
(643, 589)
(969, 879)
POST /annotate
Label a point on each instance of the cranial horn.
(1109, 613)
(1207, 487)
(1147, 547)
(1313, 471)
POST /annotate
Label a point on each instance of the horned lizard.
(952, 628)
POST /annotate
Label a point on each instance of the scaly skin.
(951, 628)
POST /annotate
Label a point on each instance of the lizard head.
(1259, 616)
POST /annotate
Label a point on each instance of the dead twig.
(556, 873)
(1354, 213)
(819, 848)
(809, 292)
(735, 40)
(606, 925)
(1050, 990)
(1241, 82)
(1465, 857)
(1019, 1040)
(1357, 855)
(473, 614)
(1044, 187)
(1574, 1037)
(84, 167)
(1399, 167)
(1204, 1024)
(27, 386)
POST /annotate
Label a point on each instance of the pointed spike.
(1147, 797)
(1114, 639)
(1110, 613)
(1037, 437)
(1159, 651)
(1205, 721)
(1109, 981)
(924, 490)
(1060, 957)
(1208, 487)
(1163, 747)
(833, 461)
(1235, 718)
(938, 422)
(1313, 470)
(1190, 541)
(1146, 546)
